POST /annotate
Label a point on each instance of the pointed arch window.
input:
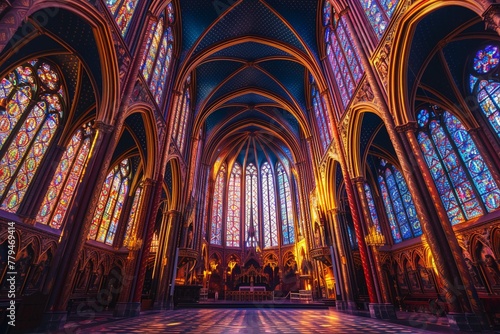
(322, 118)
(463, 180)
(285, 198)
(34, 103)
(181, 116)
(251, 207)
(133, 218)
(233, 220)
(122, 11)
(269, 206)
(484, 68)
(158, 55)
(110, 205)
(379, 13)
(371, 207)
(398, 203)
(218, 207)
(66, 178)
(342, 53)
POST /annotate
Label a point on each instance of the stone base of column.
(53, 321)
(382, 311)
(468, 322)
(127, 310)
(346, 306)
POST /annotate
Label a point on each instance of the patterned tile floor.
(211, 321)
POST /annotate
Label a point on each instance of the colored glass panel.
(110, 205)
(133, 216)
(155, 78)
(65, 180)
(217, 208)
(269, 206)
(371, 207)
(181, 135)
(486, 59)
(375, 16)
(389, 6)
(287, 225)
(396, 234)
(251, 207)
(233, 220)
(489, 99)
(151, 49)
(124, 15)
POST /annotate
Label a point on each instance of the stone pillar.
(466, 311)
(128, 305)
(77, 228)
(166, 279)
(384, 309)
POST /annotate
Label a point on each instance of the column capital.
(410, 126)
(358, 180)
(104, 127)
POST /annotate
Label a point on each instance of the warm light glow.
(375, 238)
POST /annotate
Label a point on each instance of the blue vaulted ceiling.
(251, 61)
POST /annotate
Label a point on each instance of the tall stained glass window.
(285, 199)
(158, 54)
(181, 116)
(66, 178)
(218, 207)
(251, 207)
(133, 217)
(379, 13)
(484, 68)
(371, 207)
(342, 54)
(34, 102)
(233, 220)
(463, 180)
(322, 118)
(110, 205)
(398, 203)
(122, 11)
(269, 206)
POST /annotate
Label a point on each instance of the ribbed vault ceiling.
(251, 61)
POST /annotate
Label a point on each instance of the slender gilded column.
(384, 295)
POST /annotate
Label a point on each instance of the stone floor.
(210, 321)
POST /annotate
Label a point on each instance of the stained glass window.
(34, 100)
(342, 54)
(122, 11)
(133, 217)
(66, 179)
(488, 93)
(110, 205)
(322, 118)
(398, 203)
(251, 207)
(371, 207)
(181, 116)
(285, 199)
(233, 220)
(158, 54)
(218, 207)
(462, 178)
(269, 206)
(379, 13)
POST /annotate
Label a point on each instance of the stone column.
(466, 311)
(77, 228)
(137, 259)
(384, 309)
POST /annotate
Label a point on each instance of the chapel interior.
(347, 151)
